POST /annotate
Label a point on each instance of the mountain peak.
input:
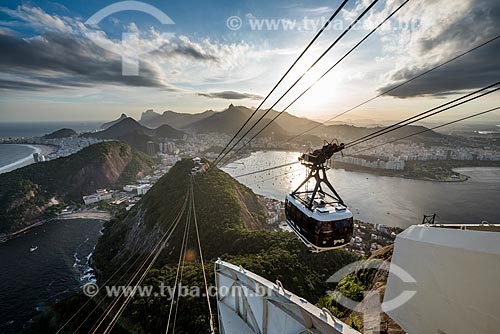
(109, 124)
(127, 123)
(62, 133)
(149, 115)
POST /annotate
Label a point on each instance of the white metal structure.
(250, 304)
(456, 275)
(322, 210)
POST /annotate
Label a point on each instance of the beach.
(28, 160)
(84, 214)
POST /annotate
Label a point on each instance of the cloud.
(57, 60)
(181, 50)
(67, 53)
(316, 10)
(231, 95)
(63, 56)
(440, 33)
(39, 19)
(183, 47)
(473, 71)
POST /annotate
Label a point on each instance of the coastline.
(40, 149)
(395, 173)
(91, 214)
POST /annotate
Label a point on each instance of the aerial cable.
(316, 81)
(425, 114)
(411, 120)
(267, 169)
(299, 79)
(277, 176)
(211, 321)
(182, 256)
(165, 237)
(182, 268)
(104, 297)
(286, 73)
(132, 294)
(396, 87)
(99, 322)
(430, 129)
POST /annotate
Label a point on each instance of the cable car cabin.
(327, 225)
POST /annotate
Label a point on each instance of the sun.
(320, 97)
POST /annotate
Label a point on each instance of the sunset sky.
(56, 66)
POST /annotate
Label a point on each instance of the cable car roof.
(330, 211)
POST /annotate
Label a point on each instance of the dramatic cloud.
(57, 60)
(231, 95)
(477, 70)
(184, 47)
(67, 53)
(182, 51)
(452, 31)
(39, 19)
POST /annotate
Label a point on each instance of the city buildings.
(379, 164)
(151, 148)
(100, 195)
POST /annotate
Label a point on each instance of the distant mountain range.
(131, 132)
(286, 126)
(227, 121)
(152, 119)
(172, 125)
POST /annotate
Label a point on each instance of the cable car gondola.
(321, 220)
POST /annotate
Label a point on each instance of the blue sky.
(55, 67)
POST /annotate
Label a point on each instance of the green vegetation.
(354, 322)
(27, 193)
(442, 170)
(370, 274)
(62, 133)
(355, 284)
(228, 215)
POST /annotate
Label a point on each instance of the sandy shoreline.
(90, 214)
(40, 149)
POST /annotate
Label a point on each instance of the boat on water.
(33, 248)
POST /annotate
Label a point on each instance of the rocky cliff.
(32, 193)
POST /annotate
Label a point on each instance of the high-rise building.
(151, 148)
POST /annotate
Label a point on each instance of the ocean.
(11, 153)
(26, 129)
(31, 281)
